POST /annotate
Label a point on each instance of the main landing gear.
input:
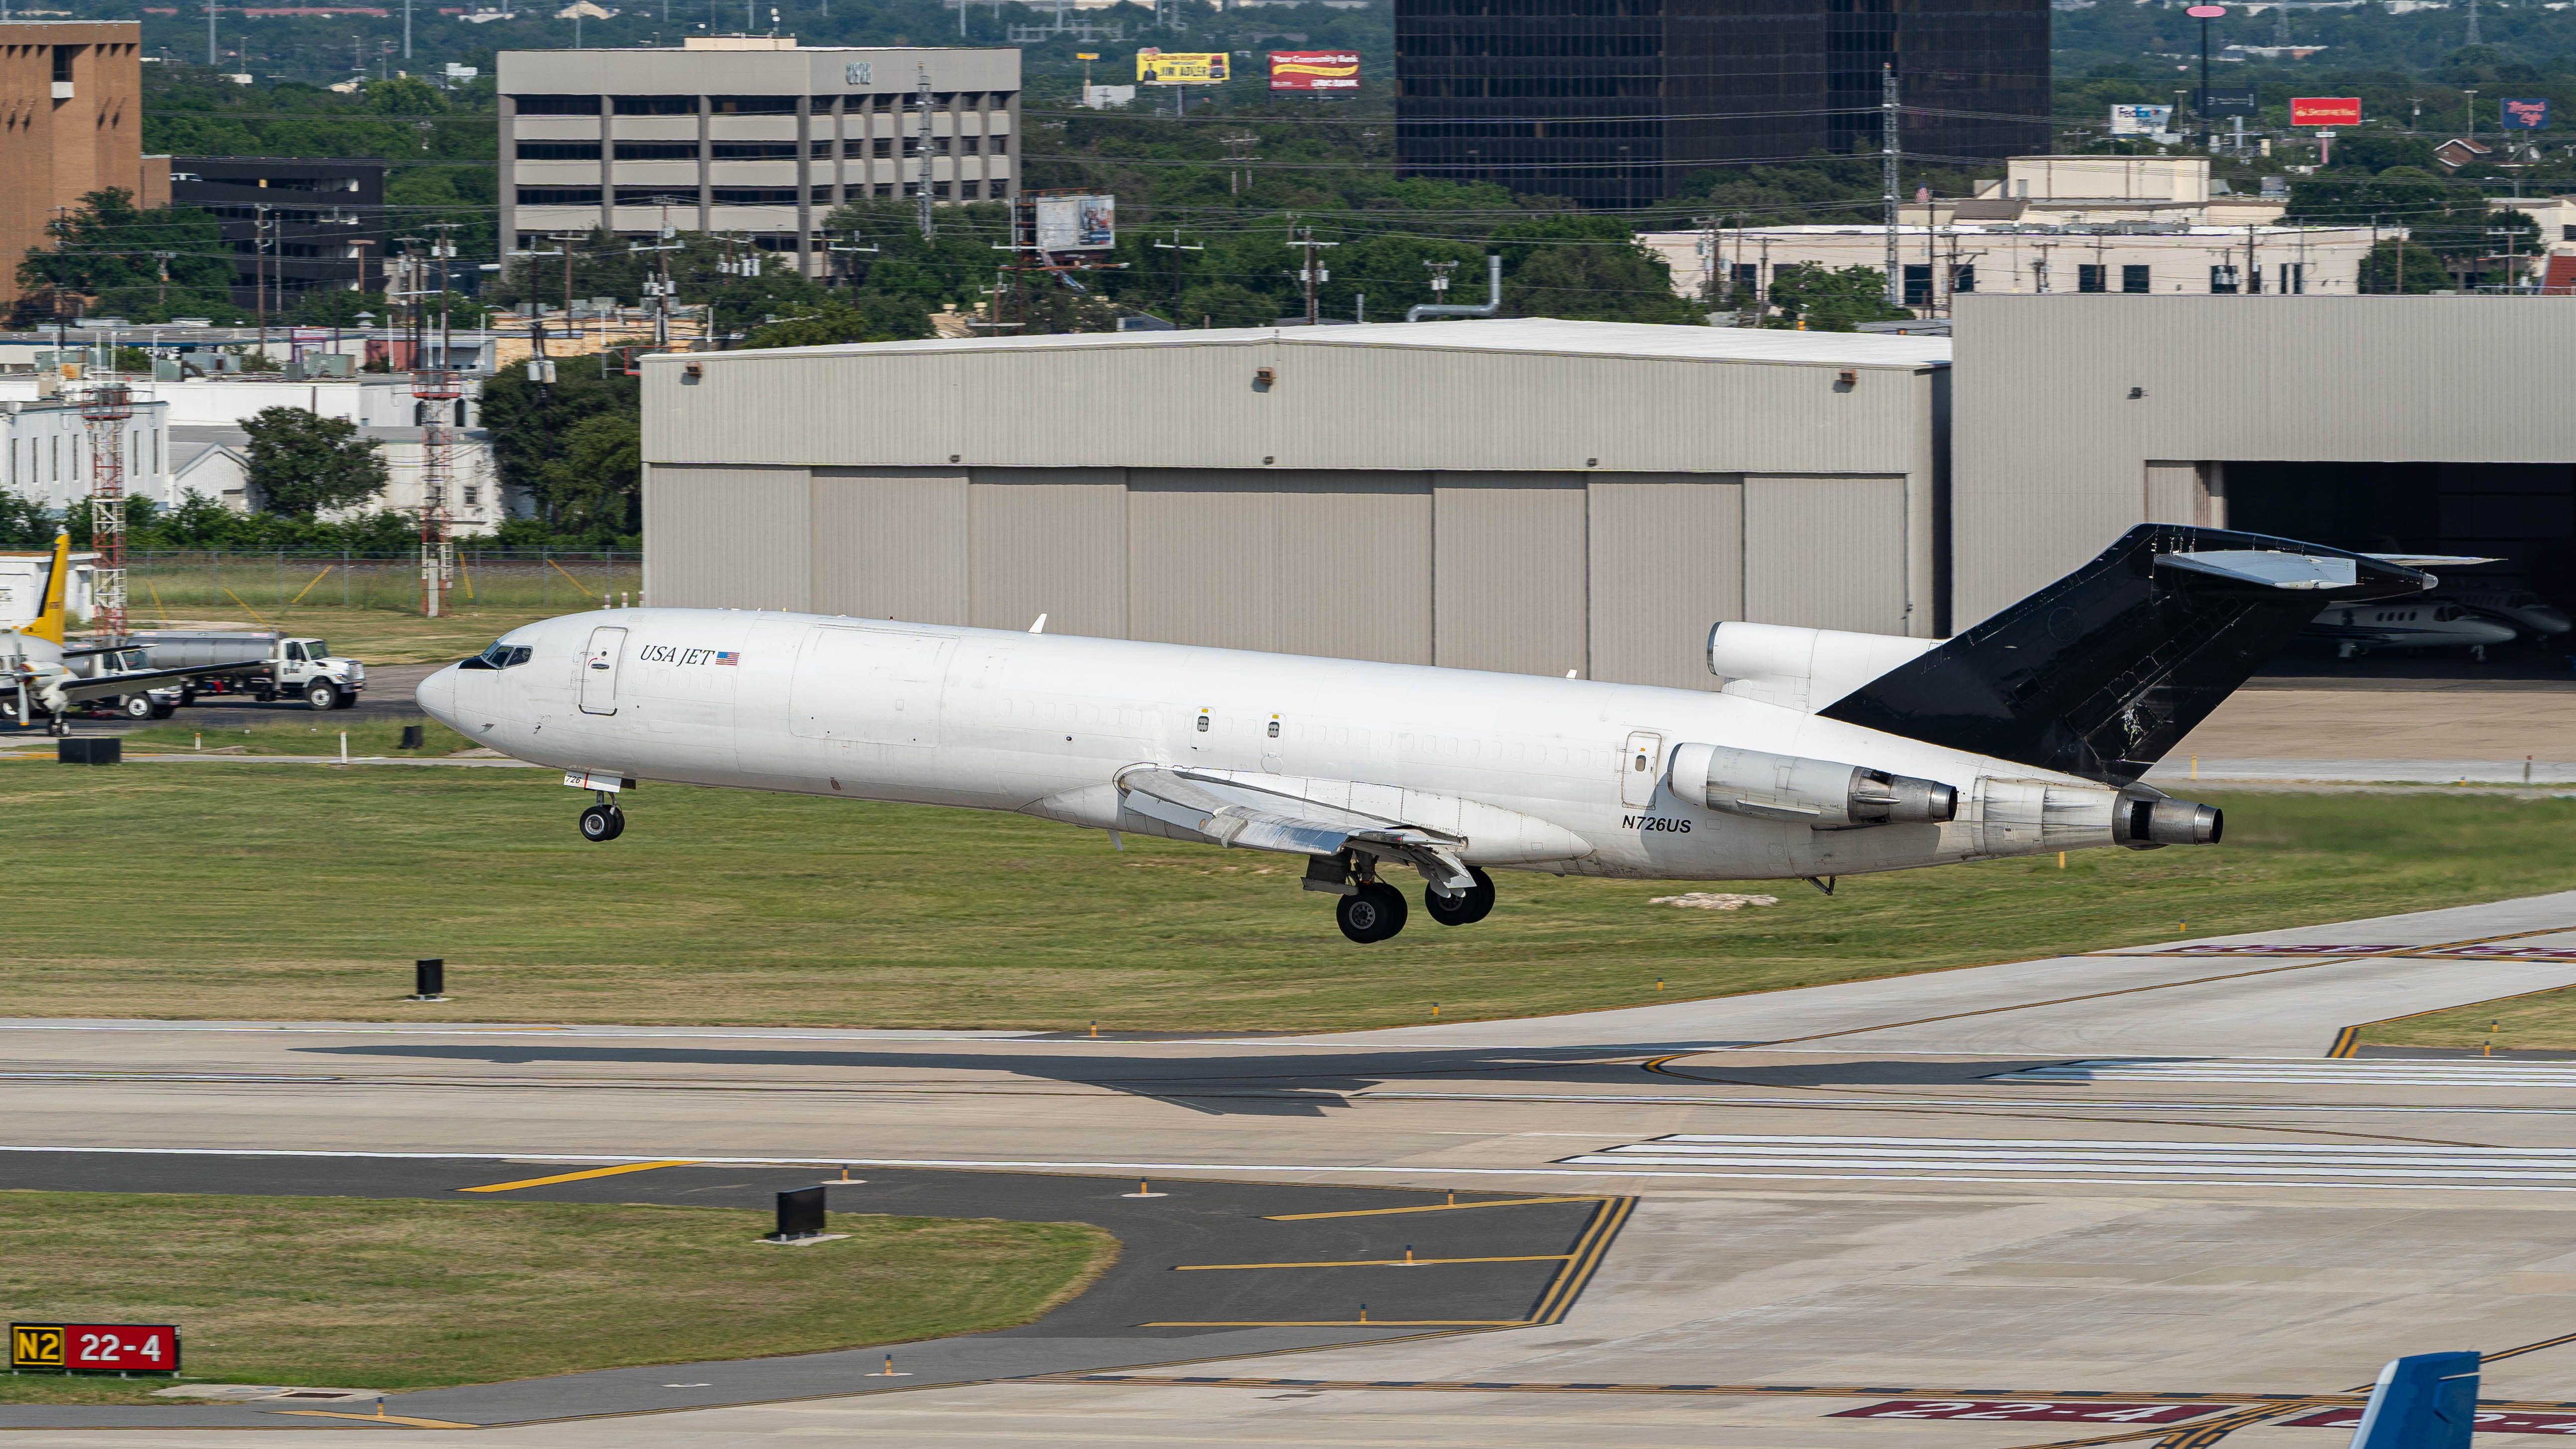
(603, 822)
(1371, 910)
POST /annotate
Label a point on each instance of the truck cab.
(307, 667)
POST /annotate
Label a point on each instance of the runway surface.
(2134, 1183)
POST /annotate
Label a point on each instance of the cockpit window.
(519, 654)
(499, 656)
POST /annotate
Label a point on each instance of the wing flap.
(1300, 816)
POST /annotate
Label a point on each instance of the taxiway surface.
(2117, 1181)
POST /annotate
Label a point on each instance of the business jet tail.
(2103, 671)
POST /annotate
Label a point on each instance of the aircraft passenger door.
(1638, 768)
(599, 671)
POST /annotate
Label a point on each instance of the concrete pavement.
(2129, 1174)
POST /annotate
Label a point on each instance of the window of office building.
(657, 150)
(2088, 278)
(2222, 279)
(557, 105)
(1918, 284)
(752, 105)
(656, 196)
(2136, 279)
(2294, 278)
(559, 196)
(755, 195)
(1963, 278)
(654, 105)
(559, 150)
(755, 150)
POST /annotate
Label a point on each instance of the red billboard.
(2325, 110)
(1314, 70)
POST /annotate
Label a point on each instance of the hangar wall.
(1617, 576)
(1534, 496)
(2078, 416)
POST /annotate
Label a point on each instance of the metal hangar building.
(1532, 496)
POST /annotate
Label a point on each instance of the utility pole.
(1310, 277)
(1887, 151)
(259, 270)
(657, 288)
(2472, 38)
(162, 261)
(921, 96)
(2417, 119)
(1238, 152)
(406, 29)
(210, 33)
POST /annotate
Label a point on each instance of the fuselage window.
(1274, 729)
(1203, 724)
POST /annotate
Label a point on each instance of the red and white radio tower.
(105, 409)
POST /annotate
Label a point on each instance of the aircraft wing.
(1231, 812)
(74, 687)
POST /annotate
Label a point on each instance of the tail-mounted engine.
(1821, 793)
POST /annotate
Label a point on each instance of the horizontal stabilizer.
(2279, 570)
(2433, 560)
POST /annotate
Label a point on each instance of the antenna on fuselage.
(1040, 626)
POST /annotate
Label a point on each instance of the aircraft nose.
(436, 697)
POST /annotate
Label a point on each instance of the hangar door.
(1825, 552)
(2521, 513)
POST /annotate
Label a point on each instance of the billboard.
(2217, 102)
(2141, 120)
(2325, 110)
(1180, 68)
(1076, 223)
(1314, 70)
(2526, 115)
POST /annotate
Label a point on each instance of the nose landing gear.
(603, 822)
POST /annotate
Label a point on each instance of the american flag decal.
(727, 656)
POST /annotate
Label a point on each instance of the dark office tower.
(1617, 103)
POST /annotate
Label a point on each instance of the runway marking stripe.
(2287, 1403)
(1369, 1263)
(2487, 1421)
(2105, 1143)
(582, 1175)
(2465, 1072)
(2028, 1410)
(374, 1419)
(1437, 1207)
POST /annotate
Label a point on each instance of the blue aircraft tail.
(2422, 1401)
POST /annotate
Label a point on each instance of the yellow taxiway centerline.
(1370, 1263)
(579, 1176)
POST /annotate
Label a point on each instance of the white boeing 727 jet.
(1825, 754)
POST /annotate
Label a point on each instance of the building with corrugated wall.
(1531, 496)
(2436, 425)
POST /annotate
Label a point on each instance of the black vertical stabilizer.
(2103, 671)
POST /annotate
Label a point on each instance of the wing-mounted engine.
(1824, 794)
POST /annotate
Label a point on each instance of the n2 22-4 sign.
(144, 1348)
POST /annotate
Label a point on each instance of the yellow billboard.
(1180, 68)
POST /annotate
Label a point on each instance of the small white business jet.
(1825, 753)
(2430, 622)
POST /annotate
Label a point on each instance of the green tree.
(302, 463)
(2423, 269)
(876, 319)
(533, 426)
(591, 483)
(111, 253)
(1831, 300)
(1589, 268)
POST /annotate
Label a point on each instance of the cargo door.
(599, 671)
(1638, 772)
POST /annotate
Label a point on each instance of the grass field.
(2542, 1022)
(408, 1294)
(301, 734)
(221, 890)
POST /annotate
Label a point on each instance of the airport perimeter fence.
(227, 583)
